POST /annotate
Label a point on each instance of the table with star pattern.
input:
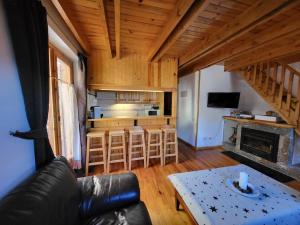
(211, 202)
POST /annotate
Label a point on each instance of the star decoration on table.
(294, 196)
(213, 209)
(266, 195)
(216, 198)
(193, 193)
(264, 211)
(262, 186)
(204, 182)
(236, 206)
(246, 210)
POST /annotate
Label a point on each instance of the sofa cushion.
(51, 196)
(135, 214)
(100, 194)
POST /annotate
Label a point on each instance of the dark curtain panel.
(27, 23)
(80, 83)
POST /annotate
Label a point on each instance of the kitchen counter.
(128, 122)
(130, 117)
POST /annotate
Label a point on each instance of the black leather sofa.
(53, 196)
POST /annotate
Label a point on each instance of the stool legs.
(170, 143)
(99, 152)
(112, 148)
(87, 157)
(139, 144)
(157, 146)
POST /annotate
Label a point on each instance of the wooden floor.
(158, 193)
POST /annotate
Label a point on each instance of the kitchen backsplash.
(111, 108)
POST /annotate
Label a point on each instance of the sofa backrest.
(51, 196)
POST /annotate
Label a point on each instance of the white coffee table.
(207, 199)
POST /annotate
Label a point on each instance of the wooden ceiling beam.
(276, 49)
(118, 28)
(76, 31)
(177, 14)
(258, 13)
(105, 26)
(184, 24)
(249, 41)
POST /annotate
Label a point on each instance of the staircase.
(279, 85)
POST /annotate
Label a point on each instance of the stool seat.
(95, 134)
(153, 130)
(116, 132)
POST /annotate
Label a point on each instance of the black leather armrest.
(103, 193)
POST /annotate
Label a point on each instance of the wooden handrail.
(276, 87)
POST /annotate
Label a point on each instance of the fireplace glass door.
(260, 143)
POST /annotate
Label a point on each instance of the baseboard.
(210, 147)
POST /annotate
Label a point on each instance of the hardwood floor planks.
(158, 193)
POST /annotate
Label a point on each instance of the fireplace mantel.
(259, 122)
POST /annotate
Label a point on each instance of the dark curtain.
(27, 23)
(80, 83)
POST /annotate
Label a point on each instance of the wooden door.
(56, 62)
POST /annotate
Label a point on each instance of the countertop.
(132, 118)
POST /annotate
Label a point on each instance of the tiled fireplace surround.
(288, 158)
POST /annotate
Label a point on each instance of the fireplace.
(260, 143)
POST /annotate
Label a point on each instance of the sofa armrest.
(103, 193)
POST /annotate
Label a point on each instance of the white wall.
(210, 121)
(187, 107)
(16, 155)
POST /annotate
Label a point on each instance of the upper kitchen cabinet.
(131, 72)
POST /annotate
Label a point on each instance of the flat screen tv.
(223, 100)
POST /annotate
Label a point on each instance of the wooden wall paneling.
(75, 29)
(131, 70)
(256, 14)
(176, 15)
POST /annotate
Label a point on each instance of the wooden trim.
(105, 25)
(177, 14)
(180, 201)
(257, 14)
(72, 26)
(184, 24)
(118, 27)
(215, 147)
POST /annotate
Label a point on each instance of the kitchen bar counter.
(131, 117)
(128, 122)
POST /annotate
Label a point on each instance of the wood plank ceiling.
(198, 33)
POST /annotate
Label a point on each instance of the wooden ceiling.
(198, 33)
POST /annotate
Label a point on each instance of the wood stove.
(260, 143)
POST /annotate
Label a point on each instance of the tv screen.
(223, 99)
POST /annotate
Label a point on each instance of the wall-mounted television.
(223, 100)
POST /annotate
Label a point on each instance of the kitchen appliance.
(96, 112)
(152, 110)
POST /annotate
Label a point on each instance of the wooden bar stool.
(170, 143)
(116, 148)
(136, 147)
(154, 145)
(96, 150)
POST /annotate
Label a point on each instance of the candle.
(243, 181)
